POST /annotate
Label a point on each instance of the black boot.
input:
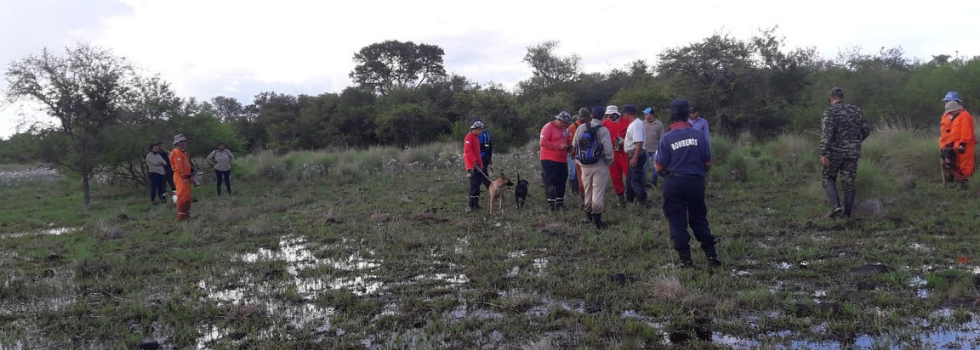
(685, 256)
(831, 188)
(560, 204)
(588, 218)
(622, 199)
(711, 254)
(597, 221)
(552, 205)
(573, 186)
(848, 203)
(473, 204)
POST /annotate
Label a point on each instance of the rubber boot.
(622, 199)
(552, 205)
(473, 204)
(573, 186)
(560, 204)
(588, 218)
(597, 221)
(848, 203)
(711, 254)
(831, 188)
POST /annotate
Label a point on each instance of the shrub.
(737, 165)
(720, 148)
(796, 151)
(871, 180)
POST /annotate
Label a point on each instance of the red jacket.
(616, 129)
(552, 139)
(471, 151)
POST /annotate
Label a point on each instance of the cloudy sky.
(239, 48)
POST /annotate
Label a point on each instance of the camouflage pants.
(846, 167)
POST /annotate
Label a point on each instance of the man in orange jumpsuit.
(181, 164)
(619, 168)
(956, 141)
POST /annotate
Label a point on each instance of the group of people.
(605, 145)
(177, 169)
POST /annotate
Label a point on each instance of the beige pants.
(595, 178)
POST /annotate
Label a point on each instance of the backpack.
(589, 145)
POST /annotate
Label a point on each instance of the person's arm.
(963, 127)
(639, 136)
(180, 165)
(663, 157)
(705, 149)
(210, 157)
(827, 131)
(489, 150)
(548, 140)
(607, 145)
(707, 131)
(231, 156)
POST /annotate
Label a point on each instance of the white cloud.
(240, 48)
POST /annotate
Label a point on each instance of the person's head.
(220, 146)
(953, 107)
(835, 95)
(180, 141)
(563, 119)
(695, 114)
(155, 147)
(679, 110)
(583, 114)
(598, 112)
(612, 112)
(476, 127)
(648, 114)
(629, 111)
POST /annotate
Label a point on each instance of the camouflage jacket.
(843, 129)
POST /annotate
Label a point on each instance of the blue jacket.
(683, 150)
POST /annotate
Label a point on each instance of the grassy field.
(373, 249)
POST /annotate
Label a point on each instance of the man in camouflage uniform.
(843, 130)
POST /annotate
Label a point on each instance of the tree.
(87, 90)
(395, 64)
(549, 69)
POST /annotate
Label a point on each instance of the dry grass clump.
(106, 230)
(669, 289)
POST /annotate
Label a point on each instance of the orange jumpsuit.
(182, 178)
(954, 131)
(620, 166)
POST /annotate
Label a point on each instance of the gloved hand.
(961, 149)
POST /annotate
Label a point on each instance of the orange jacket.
(181, 163)
(957, 130)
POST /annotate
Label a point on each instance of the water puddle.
(56, 231)
(25, 175)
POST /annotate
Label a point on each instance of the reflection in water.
(57, 231)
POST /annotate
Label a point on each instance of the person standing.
(843, 128)
(594, 154)
(633, 146)
(683, 159)
(154, 168)
(573, 179)
(183, 173)
(221, 159)
(957, 141)
(554, 155)
(620, 165)
(486, 150)
(168, 176)
(699, 123)
(653, 129)
(473, 162)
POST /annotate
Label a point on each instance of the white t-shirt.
(634, 134)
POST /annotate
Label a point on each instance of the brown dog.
(497, 191)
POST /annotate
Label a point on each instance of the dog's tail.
(518, 176)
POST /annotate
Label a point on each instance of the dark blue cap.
(679, 107)
(598, 112)
(629, 109)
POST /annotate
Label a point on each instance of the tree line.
(107, 110)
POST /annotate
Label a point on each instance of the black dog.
(520, 191)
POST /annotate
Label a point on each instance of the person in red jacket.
(474, 164)
(554, 151)
(620, 166)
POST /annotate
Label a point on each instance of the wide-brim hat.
(612, 110)
(180, 138)
(478, 124)
(951, 96)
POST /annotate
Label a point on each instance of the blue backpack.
(589, 146)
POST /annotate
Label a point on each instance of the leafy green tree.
(88, 90)
(394, 64)
(550, 70)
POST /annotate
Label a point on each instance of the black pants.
(223, 176)
(555, 175)
(477, 178)
(158, 186)
(169, 178)
(635, 188)
(684, 205)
